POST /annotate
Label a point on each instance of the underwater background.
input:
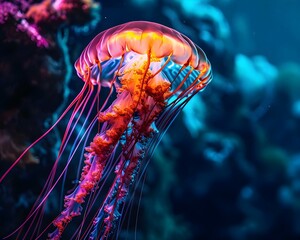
(229, 165)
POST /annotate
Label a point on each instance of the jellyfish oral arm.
(139, 102)
(143, 92)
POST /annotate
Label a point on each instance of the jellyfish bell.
(142, 38)
(143, 73)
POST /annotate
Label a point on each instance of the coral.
(38, 26)
(40, 21)
(11, 14)
(10, 149)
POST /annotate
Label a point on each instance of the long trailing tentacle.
(45, 134)
(38, 207)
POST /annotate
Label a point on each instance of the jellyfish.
(137, 77)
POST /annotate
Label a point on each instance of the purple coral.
(39, 19)
(11, 13)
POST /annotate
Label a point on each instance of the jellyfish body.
(138, 76)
